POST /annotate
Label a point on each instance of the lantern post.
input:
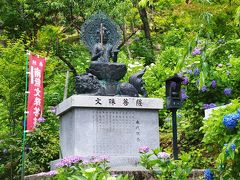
(174, 102)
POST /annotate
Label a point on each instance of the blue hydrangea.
(183, 94)
(204, 88)
(214, 84)
(208, 174)
(233, 147)
(227, 91)
(230, 121)
(196, 71)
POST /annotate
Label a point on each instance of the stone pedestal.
(107, 125)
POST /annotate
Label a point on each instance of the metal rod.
(174, 128)
(101, 34)
(24, 121)
(66, 86)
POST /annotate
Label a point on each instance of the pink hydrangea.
(144, 149)
(163, 155)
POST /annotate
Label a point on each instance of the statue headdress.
(90, 31)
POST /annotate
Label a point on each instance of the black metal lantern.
(173, 92)
(174, 102)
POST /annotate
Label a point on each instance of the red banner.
(36, 91)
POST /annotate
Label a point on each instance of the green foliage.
(43, 144)
(161, 166)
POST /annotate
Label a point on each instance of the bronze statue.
(102, 37)
(103, 50)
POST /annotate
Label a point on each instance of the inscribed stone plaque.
(116, 132)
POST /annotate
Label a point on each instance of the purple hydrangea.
(50, 173)
(196, 72)
(53, 110)
(212, 105)
(196, 51)
(227, 91)
(189, 71)
(185, 80)
(180, 74)
(208, 174)
(144, 149)
(204, 88)
(209, 106)
(163, 155)
(41, 120)
(68, 161)
(214, 84)
(183, 94)
(230, 121)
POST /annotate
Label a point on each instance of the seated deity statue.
(103, 51)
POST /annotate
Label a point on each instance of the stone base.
(113, 126)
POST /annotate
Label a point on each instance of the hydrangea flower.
(196, 51)
(230, 121)
(41, 120)
(183, 94)
(144, 149)
(185, 80)
(196, 72)
(189, 71)
(233, 147)
(53, 110)
(208, 174)
(68, 161)
(212, 105)
(227, 91)
(204, 88)
(209, 106)
(100, 159)
(50, 173)
(163, 155)
(214, 84)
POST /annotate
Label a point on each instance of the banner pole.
(24, 120)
